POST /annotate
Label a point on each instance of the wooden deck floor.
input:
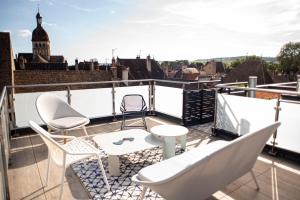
(278, 179)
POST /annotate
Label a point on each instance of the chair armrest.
(136, 180)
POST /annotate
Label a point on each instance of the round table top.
(169, 130)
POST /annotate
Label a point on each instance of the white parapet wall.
(240, 115)
(169, 100)
(92, 103)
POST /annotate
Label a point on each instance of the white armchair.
(66, 154)
(58, 115)
(198, 173)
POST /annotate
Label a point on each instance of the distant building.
(40, 58)
(188, 74)
(139, 68)
(214, 68)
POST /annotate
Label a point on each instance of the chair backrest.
(133, 102)
(50, 106)
(55, 150)
(218, 169)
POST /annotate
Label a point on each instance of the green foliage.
(174, 64)
(289, 57)
(237, 62)
(274, 67)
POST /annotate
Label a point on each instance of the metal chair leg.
(254, 178)
(143, 193)
(123, 122)
(144, 122)
(84, 130)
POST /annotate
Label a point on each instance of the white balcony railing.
(239, 114)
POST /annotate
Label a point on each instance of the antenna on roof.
(38, 7)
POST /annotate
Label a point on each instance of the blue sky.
(165, 29)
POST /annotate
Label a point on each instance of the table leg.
(183, 142)
(169, 147)
(113, 165)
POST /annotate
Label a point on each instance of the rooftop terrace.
(278, 177)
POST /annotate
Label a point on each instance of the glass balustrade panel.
(169, 100)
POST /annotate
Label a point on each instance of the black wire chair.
(133, 105)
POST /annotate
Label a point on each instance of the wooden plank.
(23, 175)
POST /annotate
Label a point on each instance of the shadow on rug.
(121, 186)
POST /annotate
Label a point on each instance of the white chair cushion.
(68, 122)
(168, 168)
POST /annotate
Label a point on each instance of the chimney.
(21, 62)
(114, 68)
(148, 63)
(92, 65)
(125, 72)
(76, 64)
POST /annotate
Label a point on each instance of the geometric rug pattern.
(121, 186)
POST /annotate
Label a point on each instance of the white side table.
(169, 133)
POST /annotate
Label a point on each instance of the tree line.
(287, 61)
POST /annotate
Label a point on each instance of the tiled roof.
(249, 68)
(138, 68)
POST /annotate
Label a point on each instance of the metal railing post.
(153, 97)
(11, 99)
(252, 84)
(69, 95)
(150, 97)
(113, 92)
(277, 110)
(215, 113)
(298, 83)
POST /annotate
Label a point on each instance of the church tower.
(40, 42)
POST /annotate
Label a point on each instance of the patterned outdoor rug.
(121, 186)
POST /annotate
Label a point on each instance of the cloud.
(76, 7)
(24, 33)
(112, 12)
(49, 24)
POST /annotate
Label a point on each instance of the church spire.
(38, 17)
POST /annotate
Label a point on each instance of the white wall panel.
(288, 134)
(92, 102)
(25, 109)
(240, 115)
(169, 100)
(122, 91)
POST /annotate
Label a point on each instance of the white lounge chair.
(200, 172)
(58, 115)
(67, 154)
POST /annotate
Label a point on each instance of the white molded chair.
(58, 115)
(67, 154)
(198, 173)
(133, 105)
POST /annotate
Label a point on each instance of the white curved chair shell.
(58, 115)
(200, 172)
